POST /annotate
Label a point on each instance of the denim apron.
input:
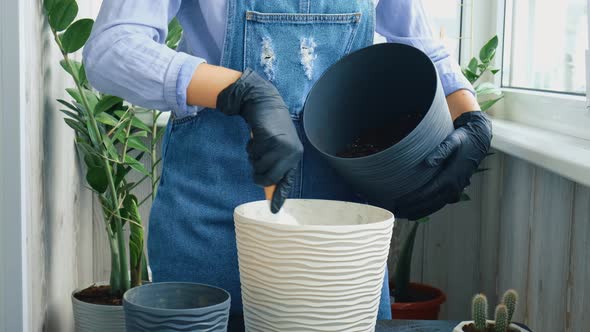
(206, 172)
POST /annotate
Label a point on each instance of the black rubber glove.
(461, 152)
(275, 148)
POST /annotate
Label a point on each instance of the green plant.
(501, 318)
(510, 299)
(473, 72)
(479, 311)
(477, 68)
(503, 313)
(110, 138)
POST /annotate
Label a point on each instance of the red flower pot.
(420, 310)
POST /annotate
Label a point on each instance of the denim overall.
(206, 172)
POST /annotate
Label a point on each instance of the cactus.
(501, 318)
(479, 309)
(510, 299)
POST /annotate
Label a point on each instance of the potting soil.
(378, 139)
(98, 295)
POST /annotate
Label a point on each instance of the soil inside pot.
(489, 328)
(99, 295)
(378, 139)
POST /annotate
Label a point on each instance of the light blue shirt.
(126, 55)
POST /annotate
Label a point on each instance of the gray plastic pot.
(370, 88)
(90, 317)
(176, 306)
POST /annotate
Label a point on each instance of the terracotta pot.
(425, 310)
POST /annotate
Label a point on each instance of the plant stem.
(153, 154)
(404, 267)
(120, 253)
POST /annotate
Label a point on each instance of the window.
(544, 45)
(445, 18)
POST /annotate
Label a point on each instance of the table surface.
(416, 325)
(393, 325)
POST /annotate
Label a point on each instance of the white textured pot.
(324, 274)
(459, 328)
(90, 317)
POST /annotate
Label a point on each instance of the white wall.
(59, 208)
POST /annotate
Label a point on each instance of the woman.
(256, 61)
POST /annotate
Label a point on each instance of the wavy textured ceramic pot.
(89, 317)
(176, 306)
(323, 274)
(368, 89)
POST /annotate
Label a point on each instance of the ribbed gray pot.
(368, 89)
(90, 317)
(176, 306)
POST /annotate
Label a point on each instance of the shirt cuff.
(178, 76)
(452, 78)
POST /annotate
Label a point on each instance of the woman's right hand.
(275, 148)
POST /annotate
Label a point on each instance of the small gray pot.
(176, 306)
(369, 89)
(90, 317)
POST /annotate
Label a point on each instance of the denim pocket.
(293, 50)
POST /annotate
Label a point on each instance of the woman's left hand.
(461, 153)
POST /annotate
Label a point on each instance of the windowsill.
(565, 155)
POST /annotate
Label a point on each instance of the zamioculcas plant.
(110, 138)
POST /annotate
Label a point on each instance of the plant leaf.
(135, 122)
(139, 133)
(93, 160)
(48, 4)
(77, 126)
(464, 197)
(96, 178)
(487, 88)
(472, 66)
(107, 119)
(481, 170)
(72, 115)
(136, 165)
(75, 65)
(76, 35)
(494, 71)
(106, 102)
(121, 172)
(82, 75)
(471, 77)
(111, 150)
(90, 97)
(70, 106)
(62, 14)
(159, 135)
(487, 52)
(137, 144)
(486, 105)
(174, 34)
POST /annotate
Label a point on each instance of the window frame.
(564, 113)
(14, 302)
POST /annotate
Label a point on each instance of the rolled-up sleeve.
(126, 55)
(405, 21)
